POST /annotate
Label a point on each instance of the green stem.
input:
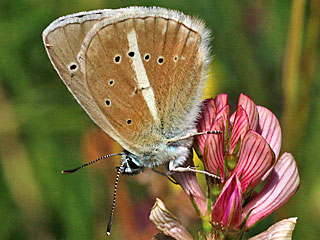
(291, 72)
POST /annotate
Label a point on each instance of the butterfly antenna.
(120, 169)
(89, 163)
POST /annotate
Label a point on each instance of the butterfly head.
(132, 164)
(175, 152)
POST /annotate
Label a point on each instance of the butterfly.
(139, 73)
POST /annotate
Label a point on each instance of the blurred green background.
(268, 50)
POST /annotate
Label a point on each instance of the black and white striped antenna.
(120, 169)
(89, 163)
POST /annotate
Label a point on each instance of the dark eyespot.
(147, 57)
(111, 82)
(160, 60)
(175, 58)
(73, 67)
(129, 121)
(117, 59)
(131, 54)
(108, 102)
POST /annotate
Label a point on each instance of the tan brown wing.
(113, 84)
(63, 39)
(139, 110)
(172, 52)
(175, 70)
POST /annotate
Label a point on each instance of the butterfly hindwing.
(63, 40)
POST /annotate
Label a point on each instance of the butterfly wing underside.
(63, 40)
(155, 61)
(138, 72)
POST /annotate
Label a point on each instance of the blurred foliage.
(268, 50)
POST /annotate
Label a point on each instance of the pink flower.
(244, 155)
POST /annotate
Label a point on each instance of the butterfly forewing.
(163, 52)
(112, 81)
(174, 67)
(179, 77)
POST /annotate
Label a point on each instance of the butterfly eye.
(132, 164)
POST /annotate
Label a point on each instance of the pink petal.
(256, 157)
(248, 105)
(232, 214)
(269, 128)
(221, 101)
(189, 183)
(224, 113)
(239, 128)
(213, 156)
(227, 208)
(282, 184)
(208, 115)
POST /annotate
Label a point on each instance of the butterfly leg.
(175, 169)
(172, 140)
(192, 169)
(165, 175)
